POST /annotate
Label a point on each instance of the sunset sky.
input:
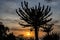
(9, 17)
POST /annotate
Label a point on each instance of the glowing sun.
(28, 33)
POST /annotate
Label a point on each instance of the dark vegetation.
(11, 36)
(52, 36)
(35, 17)
(3, 33)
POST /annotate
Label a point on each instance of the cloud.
(7, 10)
(10, 23)
(48, 1)
(52, 0)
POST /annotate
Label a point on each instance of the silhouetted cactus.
(35, 16)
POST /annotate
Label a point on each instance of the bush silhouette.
(52, 36)
(20, 37)
(3, 31)
(11, 37)
(47, 28)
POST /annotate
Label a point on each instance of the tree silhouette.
(34, 16)
(3, 33)
(47, 29)
(11, 36)
(53, 36)
(3, 30)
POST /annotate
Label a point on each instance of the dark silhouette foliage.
(3, 30)
(21, 37)
(11, 37)
(47, 28)
(52, 36)
(35, 16)
(3, 33)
